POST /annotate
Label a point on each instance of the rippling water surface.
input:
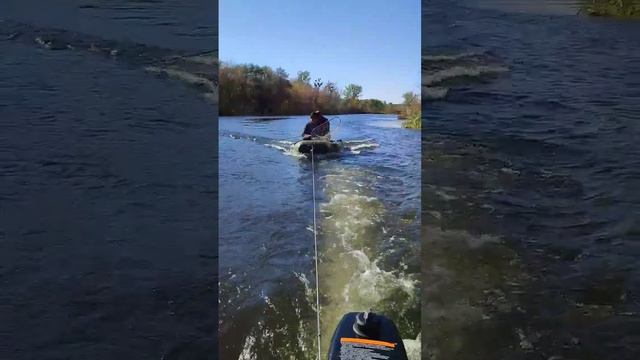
(530, 184)
(368, 200)
(107, 185)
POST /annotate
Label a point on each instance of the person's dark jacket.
(322, 128)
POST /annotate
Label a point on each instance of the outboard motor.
(366, 336)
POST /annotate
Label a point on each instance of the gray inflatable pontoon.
(320, 146)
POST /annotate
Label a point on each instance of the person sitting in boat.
(317, 126)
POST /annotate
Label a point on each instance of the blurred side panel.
(108, 185)
(530, 172)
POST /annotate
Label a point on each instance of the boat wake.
(441, 73)
(289, 148)
(198, 71)
(361, 267)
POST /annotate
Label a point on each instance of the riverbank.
(414, 121)
(612, 8)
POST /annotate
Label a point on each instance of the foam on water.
(208, 86)
(196, 71)
(452, 57)
(356, 148)
(442, 71)
(283, 330)
(413, 347)
(284, 149)
(434, 93)
(438, 77)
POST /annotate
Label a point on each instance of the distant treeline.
(249, 89)
(620, 8)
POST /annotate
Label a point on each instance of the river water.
(530, 172)
(368, 233)
(108, 179)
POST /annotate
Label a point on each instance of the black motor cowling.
(366, 335)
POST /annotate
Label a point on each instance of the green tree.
(282, 73)
(411, 112)
(375, 106)
(352, 92)
(410, 99)
(304, 77)
(332, 88)
(617, 8)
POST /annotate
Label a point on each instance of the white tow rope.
(315, 243)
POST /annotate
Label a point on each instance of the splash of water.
(352, 278)
(440, 71)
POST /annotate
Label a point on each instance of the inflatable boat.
(319, 146)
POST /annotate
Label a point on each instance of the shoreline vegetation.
(411, 111)
(248, 89)
(612, 8)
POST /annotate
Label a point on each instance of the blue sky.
(372, 43)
